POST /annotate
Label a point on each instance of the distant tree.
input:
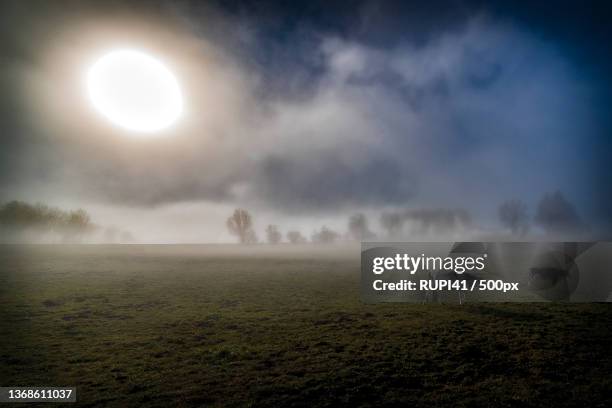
(240, 224)
(21, 215)
(273, 234)
(358, 228)
(77, 223)
(514, 216)
(78, 219)
(296, 237)
(325, 236)
(392, 222)
(556, 215)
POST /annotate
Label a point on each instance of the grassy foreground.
(160, 326)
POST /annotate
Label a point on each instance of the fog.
(303, 131)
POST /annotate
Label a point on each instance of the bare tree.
(325, 236)
(514, 216)
(556, 215)
(296, 237)
(273, 234)
(240, 224)
(358, 227)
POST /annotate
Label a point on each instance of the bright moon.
(134, 91)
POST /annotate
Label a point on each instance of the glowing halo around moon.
(134, 91)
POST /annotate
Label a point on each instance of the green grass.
(159, 326)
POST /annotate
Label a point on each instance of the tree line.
(18, 218)
(21, 221)
(554, 214)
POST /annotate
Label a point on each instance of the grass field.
(160, 326)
